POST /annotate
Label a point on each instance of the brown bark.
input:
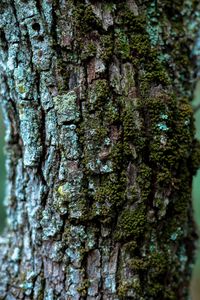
(100, 149)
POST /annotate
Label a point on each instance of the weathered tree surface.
(100, 148)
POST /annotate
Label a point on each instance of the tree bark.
(100, 149)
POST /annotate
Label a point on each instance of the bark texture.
(100, 149)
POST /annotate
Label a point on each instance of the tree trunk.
(100, 149)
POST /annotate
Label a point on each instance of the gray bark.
(100, 149)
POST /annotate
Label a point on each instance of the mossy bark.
(100, 149)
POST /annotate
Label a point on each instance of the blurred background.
(196, 179)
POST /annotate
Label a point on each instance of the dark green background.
(196, 179)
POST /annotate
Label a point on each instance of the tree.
(100, 148)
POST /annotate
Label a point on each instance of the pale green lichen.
(67, 107)
(30, 133)
(69, 142)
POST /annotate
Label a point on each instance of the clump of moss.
(144, 181)
(106, 197)
(134, 284)
(102, 89)
(85, 19)
(130, 248)
(88, 51)
(129, 123)
(158, 263)
(194, 161)
(116, 156)
(64, 75)
(127, 19)
(123, 289)
(122, 47)
(131, 223)
(111, 113)
(98, 95)
(138, 264)
(84, 287)
(107, 47)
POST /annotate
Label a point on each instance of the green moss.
(64, 75)
(101, 89)
(131, 223)
(134, 44)
(138, 264)
(116, 156)
(129, 123)
(144, 181)
(108, 193)
(155, 290)
(154, 137)
(98, 95)
(122, 47)
(127, 19)
(107, 45)
(134, 284)
(123, 289)
(85, 19)
(158, 263)
(111, 113)
(155, 266)
(140, 47)
(194, 161)
(164, 177)
(134, 141)
(130, 248)
(109, 6)
(93, 131)
(107, 196)
(88, 51)
(84, 287)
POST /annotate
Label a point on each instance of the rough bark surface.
(100, 149)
